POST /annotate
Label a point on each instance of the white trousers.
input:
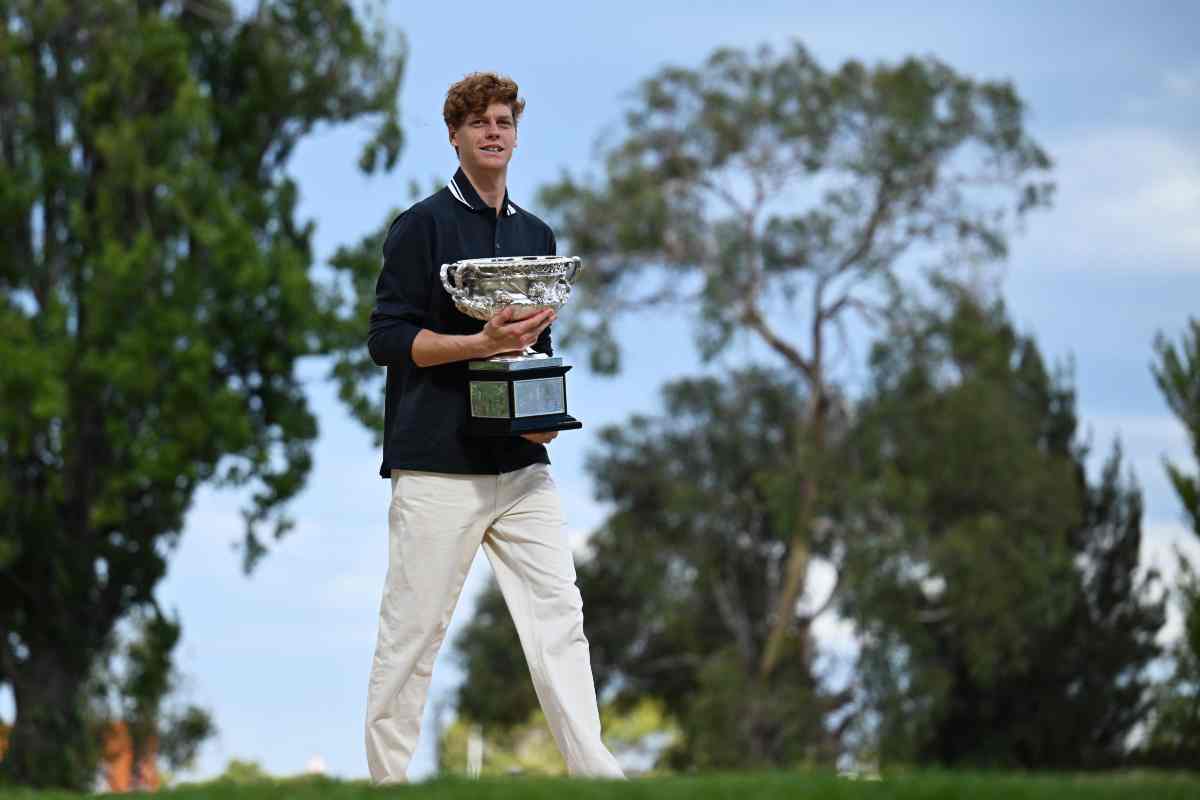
(437, 522)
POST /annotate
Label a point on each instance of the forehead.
(493, 111)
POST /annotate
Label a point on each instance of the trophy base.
(511, 397)
(550, 422)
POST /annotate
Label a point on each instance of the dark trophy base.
(511, 397)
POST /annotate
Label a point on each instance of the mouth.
(492, 148)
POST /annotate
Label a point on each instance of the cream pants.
(437, 522)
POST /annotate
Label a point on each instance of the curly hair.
(477, 91)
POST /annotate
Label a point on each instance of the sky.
(1113, 91)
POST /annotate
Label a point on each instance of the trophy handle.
(456, 292)
(576, 263)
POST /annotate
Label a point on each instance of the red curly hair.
(474, 93)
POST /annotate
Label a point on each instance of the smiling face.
(485, 141)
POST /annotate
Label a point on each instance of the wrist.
(479, 346)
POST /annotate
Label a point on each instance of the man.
(452, 492)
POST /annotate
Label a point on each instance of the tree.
(156, 294)
(776, 199)
(144, 685)
(1004, 621)
(528, 748)
(680, 580)
(1175, 735)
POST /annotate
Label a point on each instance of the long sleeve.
(402, 293)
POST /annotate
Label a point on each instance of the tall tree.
(777, 198)
(156, 294)
(1004, 619)
(1175, 735)
(680, 581)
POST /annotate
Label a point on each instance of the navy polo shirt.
(426, 408)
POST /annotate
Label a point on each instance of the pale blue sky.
(1114, 94)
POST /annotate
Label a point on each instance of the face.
(486, 141)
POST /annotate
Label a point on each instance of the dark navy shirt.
(426, 408)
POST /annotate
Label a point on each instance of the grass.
(754, 786)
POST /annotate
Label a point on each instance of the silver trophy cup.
(525, 392)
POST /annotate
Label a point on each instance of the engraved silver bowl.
(480, 287)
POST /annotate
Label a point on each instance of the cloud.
(1128, 199)
(1183, 83)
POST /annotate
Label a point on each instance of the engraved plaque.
(539, 396)
(489, 399)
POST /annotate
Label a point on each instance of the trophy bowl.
(480, 287)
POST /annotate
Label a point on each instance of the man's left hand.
(540, 438)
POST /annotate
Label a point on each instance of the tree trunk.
(795, 578)
(796, 571)
(52, 743)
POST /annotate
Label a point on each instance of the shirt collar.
(460, 186)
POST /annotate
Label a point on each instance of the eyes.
(482, 123)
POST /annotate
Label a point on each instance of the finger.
(533, 336)
(536, 321)
(544, 325)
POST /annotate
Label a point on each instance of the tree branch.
(878, 215)
(754, 320)
(726, 195)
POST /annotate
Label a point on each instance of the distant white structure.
(475, 751)
(315, 766)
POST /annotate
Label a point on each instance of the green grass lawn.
(770, 786)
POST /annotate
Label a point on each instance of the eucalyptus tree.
(774, 198)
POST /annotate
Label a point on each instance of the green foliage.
(1004, 621)
(1177, 373)
(346, 302)
(180, 734)
(143, 681)
(775, 198)
(527, 747)
(679, 586)
(244, 772)
(1175, 736)
(761, 179)
(155, 299)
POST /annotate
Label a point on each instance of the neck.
(490, 185)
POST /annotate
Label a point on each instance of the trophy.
(525, 392)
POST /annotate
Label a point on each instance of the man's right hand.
(502, 335)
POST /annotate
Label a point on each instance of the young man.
(452, 492)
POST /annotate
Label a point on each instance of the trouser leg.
(536, 574)
(436, 523)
